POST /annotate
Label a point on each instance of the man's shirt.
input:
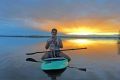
(54, 43)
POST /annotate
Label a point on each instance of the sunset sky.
(68, 16)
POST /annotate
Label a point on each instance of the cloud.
(104, 23)
(45, 14)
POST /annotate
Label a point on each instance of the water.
(101, 58)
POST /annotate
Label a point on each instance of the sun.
(81, 31)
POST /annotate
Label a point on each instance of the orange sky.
(68, 16)
(90, 25)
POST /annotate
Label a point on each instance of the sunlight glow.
(81, 31)
(85, 42)
(86, 31)
(80, 41)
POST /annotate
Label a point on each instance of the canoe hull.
(54, 64)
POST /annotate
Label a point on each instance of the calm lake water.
(101, 58)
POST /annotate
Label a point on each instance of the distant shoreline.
(67, 36)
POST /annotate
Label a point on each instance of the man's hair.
(54, 30)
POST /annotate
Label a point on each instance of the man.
(54, 44)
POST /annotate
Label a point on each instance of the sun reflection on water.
(80, 41)
(86, 42)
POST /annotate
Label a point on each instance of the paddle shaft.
(55, 50)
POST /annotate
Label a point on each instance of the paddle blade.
(36, 52)
(30, 53)
(31, 59)
(82, 69)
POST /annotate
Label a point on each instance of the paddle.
(32, 60)
(55, 50)
(82, 69)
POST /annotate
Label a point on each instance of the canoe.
(54, 63)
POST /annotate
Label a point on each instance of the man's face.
(54, 33)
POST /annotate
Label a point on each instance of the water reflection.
(118, 43)
(100, 58)
(119, 48)
(53, 74)
(90, 44)
(89, 41)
